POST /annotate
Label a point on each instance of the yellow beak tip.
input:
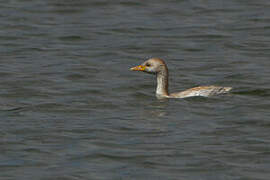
(137, 68)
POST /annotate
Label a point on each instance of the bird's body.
(205, 91)
(157, 66)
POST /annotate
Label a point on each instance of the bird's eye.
(147, 64)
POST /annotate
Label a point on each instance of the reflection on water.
(71, 109)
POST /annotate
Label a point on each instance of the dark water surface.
(71, 109)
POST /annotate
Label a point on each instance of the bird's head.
(152, 66)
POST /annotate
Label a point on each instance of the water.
(71, 109)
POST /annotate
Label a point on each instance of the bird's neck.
(162, 83)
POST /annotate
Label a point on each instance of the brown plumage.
(158, 67)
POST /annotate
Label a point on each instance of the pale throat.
(162, 83)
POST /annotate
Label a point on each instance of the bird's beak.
(138, 68)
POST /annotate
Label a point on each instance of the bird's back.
(204, 91)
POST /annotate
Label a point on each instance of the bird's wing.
(205, 91)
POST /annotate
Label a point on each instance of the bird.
(159, 68)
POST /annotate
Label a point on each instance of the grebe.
(158, 67)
